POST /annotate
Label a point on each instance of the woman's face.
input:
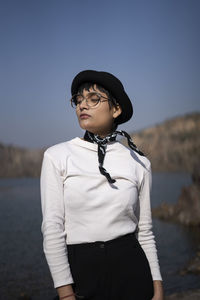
(98, 120)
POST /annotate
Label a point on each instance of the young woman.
(95, 195)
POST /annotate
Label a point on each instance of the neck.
(102, 135)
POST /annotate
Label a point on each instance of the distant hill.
(173, 145)
(19, 162)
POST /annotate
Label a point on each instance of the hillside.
(173, 145)
(19, 162)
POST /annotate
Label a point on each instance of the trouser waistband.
(103, 244)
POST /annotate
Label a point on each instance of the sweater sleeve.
(145, 234)
(53, 229)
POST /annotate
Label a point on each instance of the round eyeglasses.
(93, 99)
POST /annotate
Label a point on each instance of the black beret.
(112, 84)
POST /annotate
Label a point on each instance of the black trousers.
(113, 270)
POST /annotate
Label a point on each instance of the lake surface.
(23, 268)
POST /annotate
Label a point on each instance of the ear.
(116, 111)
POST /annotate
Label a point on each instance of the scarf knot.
(102, 144)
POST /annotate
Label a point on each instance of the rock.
(165, 212)
(187, 210)
(196, 174)
(186, 295)
(193, 266)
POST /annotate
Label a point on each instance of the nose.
(83, 105)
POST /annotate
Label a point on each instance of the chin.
(88, 126)
(90, 129)
(85, 125)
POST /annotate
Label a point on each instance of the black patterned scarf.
(102, 143)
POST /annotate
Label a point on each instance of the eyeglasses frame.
(84, 98)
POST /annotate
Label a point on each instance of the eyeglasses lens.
(91, 98)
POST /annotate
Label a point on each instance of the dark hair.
(113, 102)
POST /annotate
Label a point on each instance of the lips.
(84, 116)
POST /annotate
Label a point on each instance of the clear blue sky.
(151, 46)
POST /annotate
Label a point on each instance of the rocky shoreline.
(186, 295)
(186, 212)
(193, 265)
(187, 209)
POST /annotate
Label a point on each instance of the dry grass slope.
(173, 145)
(19, 162)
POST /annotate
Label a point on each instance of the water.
(23, 268)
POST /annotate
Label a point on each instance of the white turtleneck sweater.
(80, 206)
